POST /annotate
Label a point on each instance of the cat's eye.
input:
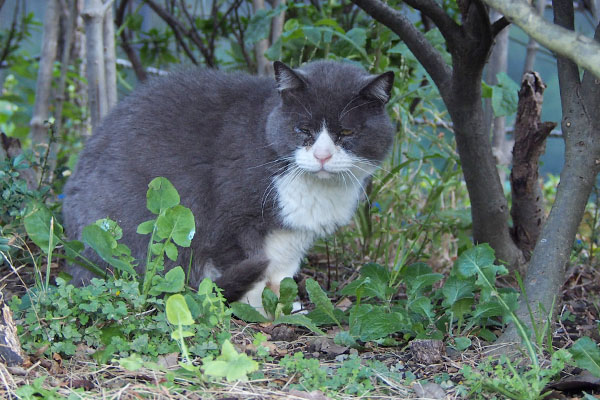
(302, 131)
(346, 132)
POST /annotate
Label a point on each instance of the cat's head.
(331, 120)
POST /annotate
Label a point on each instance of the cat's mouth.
(322, 174)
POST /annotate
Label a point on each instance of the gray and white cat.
(266, 166)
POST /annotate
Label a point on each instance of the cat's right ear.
(287, 78)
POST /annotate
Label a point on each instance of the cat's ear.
(287, 78)
(379, 87)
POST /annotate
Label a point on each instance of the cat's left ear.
(379, 87)
(287, 78)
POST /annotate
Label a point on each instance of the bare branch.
(136, 64)
(434, 11)
(579, 48)
(499, 25)
(176, 27)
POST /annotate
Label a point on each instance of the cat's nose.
(323, 156)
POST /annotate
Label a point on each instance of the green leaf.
(320, 299)
(178, 312)
(173, 282)
(230, 364)
(146, 227)
(475, 259)
(110, 226)
(368, 322)
(586, 355)
(422, 306)
(105, 245)
(491, 308)
(246, 312)
(421, 283)
(131, 363)
(298, 319)
(269, 301)
(38, 225)
(344, 338)
(171, 251)
(462, 343)
(259, 25)
(456, 289)
(288, 290)
(505, 96)
(177, 223)
(374, 282)
(161, 195)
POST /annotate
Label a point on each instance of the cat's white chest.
(316, 205)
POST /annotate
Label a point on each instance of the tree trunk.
(580, 99)
(501, 146)
(41, 107)
(110, 58)
(530, 142)
(93, 16)
(260, 48)
(277, 23)
(68, 33)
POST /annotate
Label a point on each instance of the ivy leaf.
(246, 312)
(178, 312)
(586, 355)
(161, 195)
(320, 299)
(230, 364)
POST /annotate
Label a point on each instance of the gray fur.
(220, 138)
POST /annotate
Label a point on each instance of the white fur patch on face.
(323, 158)
(284, 249)
(322, 191)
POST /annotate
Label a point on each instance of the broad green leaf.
(178, 223)
(161, 195)
(298, 319)
(110, 226)
(246, 312)
(320, 299)
(38, 225)
(269, 301)
(173, 282)
(230, 364)
(344, 338)
(489, 309)
(319, 317)
(259, 25)
(171, 251)
(456, 289)
(422, 306)
(177, 335)
(472, 261)
(374, 282)
(421, 283)
(131, 363)
(288, 290)
(178, 312)
(505, 97)
(146, 227)
(105, 245)
(368, 322)
(586, 355)
(462, 343)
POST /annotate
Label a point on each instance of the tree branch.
(136, 64)
(176, 27)
(579, 48)
(499, 25)
(433, 11)
(427, 55)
